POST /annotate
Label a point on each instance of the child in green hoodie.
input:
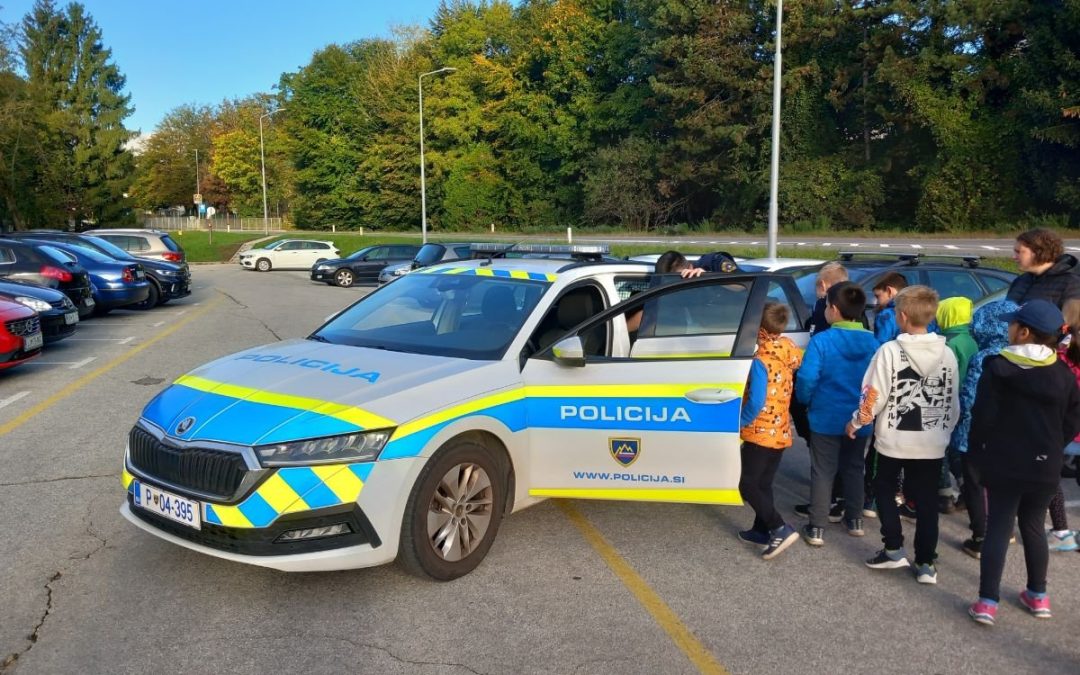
(954, 322)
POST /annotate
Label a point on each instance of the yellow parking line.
(78, 384)
(702, 659)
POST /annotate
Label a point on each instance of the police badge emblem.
(624, 450)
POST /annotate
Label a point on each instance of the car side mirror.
(569, 352)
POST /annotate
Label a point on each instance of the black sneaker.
(815, 536)
(836, 511)
(854, 527)
(907, 512)
(888, 560)
(973, 547)
(754, 537)
(779, 539)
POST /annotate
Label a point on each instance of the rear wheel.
(153, 299)
(344, 278)
(263, 265)
(454, 511)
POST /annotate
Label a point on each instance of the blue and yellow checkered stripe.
(488, 272)
(287, 490)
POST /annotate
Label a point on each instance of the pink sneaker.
(1039, 607)
(983, 612)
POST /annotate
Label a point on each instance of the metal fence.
(221, 223)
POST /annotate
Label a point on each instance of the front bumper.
(249, 263)
(326, 276)
(55, 326)
(173, 289)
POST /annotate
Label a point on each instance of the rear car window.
(170, 244)
(56, 255)
(7, 256)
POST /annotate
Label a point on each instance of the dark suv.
(44, 265)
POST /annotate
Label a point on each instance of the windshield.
(108, 248)
(461, 315)
(429, 254)
(271, 246)
(361, 253)
(96, 256)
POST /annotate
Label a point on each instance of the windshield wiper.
(318, 338)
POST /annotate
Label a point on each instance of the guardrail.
(221, 224)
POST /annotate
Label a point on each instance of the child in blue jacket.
(829, 383)
(991, 333)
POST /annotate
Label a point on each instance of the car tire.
(263, 265)
(437, 514)
(344, 278)
(152, 300)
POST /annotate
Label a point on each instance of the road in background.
(98, 595)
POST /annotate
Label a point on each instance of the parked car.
(153, 244)
(116, 283)
(776, 264)
(362, 266)
(429, 254)
(45, 265)
(58, 314)
(168, 280)
(289, 254)
(20, 334)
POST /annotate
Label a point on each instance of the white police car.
(409, 424)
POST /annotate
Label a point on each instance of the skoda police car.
(410, 423)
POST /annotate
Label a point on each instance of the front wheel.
(454, 512)
(344, 278)
(263, 265)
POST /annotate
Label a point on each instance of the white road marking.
(801, 243)
(4, 402)
(79, 364)
(854, 244)
(950, 247)
(181, 312)
(122, 341)
(1072, 248)
(990, 248)
(916, 246)
(126, 340)
(1072, 503)
(159, 323)
(883, 245)
(827, 244)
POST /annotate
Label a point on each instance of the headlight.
(168, 273)
(362, 447)
(33, 303)
(324, 268)
(400, 272)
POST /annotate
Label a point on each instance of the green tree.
(166, 173)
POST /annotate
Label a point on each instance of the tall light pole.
(262, 161)
(774, 169)
(197, 183)
(423, 179)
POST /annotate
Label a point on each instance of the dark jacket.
(1022, 420)
(1057, 284)
(817, 321)
(830, 379)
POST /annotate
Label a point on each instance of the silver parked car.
(154, 244)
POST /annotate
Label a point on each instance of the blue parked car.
(116, 283)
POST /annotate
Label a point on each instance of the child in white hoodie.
(912, 389)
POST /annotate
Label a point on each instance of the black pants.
(1006, 504)
(920, 484)
(971, 490)
(759, 465)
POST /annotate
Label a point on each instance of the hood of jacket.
(1066, 264)
(853, 342)
(953, 312)
(1029, 356)
(1022, 368)
(988, 328)
(924, 351)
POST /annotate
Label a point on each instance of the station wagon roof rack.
(577, 251)
(909, 258)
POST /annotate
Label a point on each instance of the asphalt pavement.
(569, 587)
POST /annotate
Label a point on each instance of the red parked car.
(20, 334)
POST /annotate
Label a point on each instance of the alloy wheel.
(460, 511)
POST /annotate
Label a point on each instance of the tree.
(166, 166)
(78, 92)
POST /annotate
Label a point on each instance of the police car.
(411, 423)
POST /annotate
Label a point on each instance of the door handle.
(711, 396)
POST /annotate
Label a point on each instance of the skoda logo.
(184, 425)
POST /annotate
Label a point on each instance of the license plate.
(139, 275)
(32, 342)
(71, 317)
(167, 505)
(88, 302)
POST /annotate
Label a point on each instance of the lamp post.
(197, 183)
(774, 168)
(423, 180)
(262, 161)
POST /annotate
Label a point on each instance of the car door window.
(403, 252)
(289, 246)
(462, 252)
(379, 253)
(140, 244)
(993, 284)
(778, 293)
(954, 283)
(7, 256)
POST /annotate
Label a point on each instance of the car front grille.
(24, 327)
(215, 473)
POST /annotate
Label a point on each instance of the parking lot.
(569, 587)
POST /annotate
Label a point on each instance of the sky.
(203, 52)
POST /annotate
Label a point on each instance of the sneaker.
(973, 547)
(888, 560)
(907, 512)
(815, 536)
(802, 510)
(836, 511)
(1039, 606)
(869, 509)
(983, 612)
(1062, 543)
(779, 539)
(854, 527)
(926, 574)
(754, 537)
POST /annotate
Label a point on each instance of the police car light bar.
(594, 250)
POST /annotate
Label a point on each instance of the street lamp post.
(198, 183)
(262, 161)
(774, 169)
(423, 180)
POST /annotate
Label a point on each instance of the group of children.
(887, 408)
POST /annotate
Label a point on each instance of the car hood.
(301, 389)
(16, 288)
(337, 261)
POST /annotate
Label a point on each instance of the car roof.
(126, 230)
(546, 266)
